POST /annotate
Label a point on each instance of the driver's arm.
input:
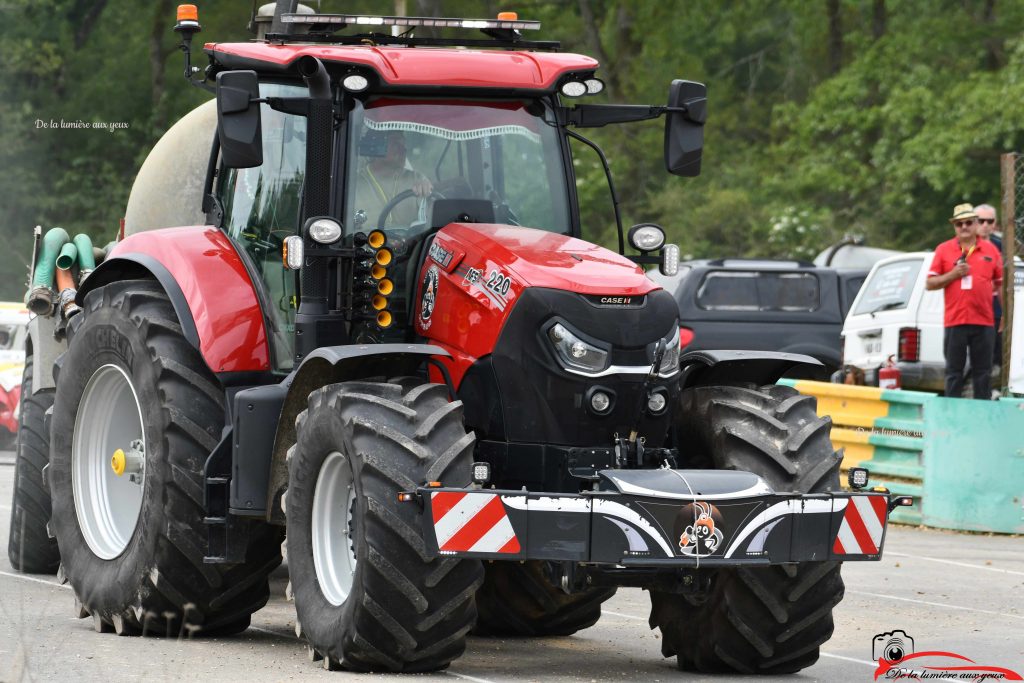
(421, 185)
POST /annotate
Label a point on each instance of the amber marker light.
(376, 239)
(384, 319)
(377, 272)
(379, 302)
(385, 286)
(383, 257)
(508, 16)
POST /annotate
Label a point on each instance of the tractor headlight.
(575, 353)
(670, 360)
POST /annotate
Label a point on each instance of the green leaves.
(910, 120)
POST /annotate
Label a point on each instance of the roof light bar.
(440, 22)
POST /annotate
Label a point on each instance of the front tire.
(29, 546)
(132, 543)
(518, 599)
(368, 595)
(767, 620)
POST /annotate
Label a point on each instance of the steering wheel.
(398, 199)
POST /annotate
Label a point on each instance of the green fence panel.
(974, 469)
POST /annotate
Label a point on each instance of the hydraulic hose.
(66, 285)
(40, 296)
(86, 260)
(67, 257)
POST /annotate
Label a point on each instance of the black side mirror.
(684, 130)
(238, 119)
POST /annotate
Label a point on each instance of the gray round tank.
(168, 191)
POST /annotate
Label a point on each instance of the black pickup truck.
(765, 305)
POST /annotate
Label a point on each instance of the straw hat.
(962, 211)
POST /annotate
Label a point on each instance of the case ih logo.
(894, 652)
(441, 255)
(613, 300)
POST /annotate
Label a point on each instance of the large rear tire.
(132, 544)
(768, 620)
(29, 545)
(368, 595)
(519, 600)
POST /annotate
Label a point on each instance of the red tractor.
(389, 345)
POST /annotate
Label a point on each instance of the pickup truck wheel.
(368, 595)
(29, 546)
(136, 415)
(519, 600)
(766, 620)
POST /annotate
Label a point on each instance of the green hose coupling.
(67, 257)
(86, 259)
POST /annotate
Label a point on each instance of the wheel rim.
(107, 505)
(334, 555)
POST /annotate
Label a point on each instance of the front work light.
(594, 85)
(481, 472)
(355, 83)
(857, 477)
(574, 89)
(646, 237)
(324, 230)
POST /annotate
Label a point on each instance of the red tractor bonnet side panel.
(218, 290)
(475, 273)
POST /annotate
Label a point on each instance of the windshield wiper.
(886, 307)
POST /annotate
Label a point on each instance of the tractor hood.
(537, 258)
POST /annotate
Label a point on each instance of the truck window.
(758, 291)
(889, 287)
(261, 208)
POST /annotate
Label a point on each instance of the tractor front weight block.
(657, 518)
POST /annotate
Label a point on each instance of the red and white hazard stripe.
(861, 530)
(472, 523)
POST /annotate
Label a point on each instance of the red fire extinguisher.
(890, 376)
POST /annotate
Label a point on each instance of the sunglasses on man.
(987, 220)
(959, 224)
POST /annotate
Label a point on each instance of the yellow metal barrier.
(880, 429)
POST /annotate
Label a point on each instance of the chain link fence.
(1012, 226)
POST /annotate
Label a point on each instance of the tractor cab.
(421, 135)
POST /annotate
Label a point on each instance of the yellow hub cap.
(117, 462)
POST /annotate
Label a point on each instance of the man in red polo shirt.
(969, 269)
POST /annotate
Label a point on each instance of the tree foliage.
(826, 116)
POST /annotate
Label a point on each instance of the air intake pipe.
(313, 306)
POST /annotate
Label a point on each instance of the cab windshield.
(500, 158)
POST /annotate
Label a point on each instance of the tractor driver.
(384, 173)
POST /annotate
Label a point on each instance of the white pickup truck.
(894, 315)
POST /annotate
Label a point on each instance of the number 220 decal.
(498, 282)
